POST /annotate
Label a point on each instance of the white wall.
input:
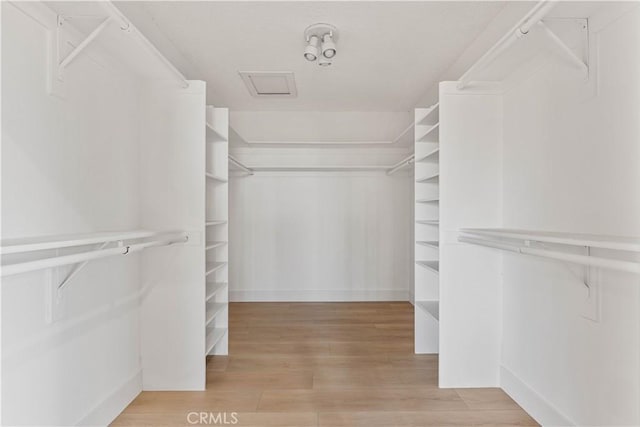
(572, 163)
(319, 236)
(68, 165)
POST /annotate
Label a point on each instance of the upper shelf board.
(40, 243)
(621, 243)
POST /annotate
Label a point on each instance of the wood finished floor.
(325, 364)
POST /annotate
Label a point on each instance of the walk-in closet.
(320, 213)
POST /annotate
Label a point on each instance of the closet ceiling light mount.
(324, 35)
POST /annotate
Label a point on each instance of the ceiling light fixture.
(328, 46)
(326, 33)
(311, 51)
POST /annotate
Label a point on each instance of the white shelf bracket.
(582, 25)
(76, 269)
(63, 63)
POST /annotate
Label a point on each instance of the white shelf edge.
(430, 307)
(428, 221)
(431, 130)
(213, 267)
(212, 288)
(214, 244)
(213, 338)
(429, 155)
(436, 200)
(428, 114)
(213, 310)
(431, 265)
(40, 243)
(622, 243)
(430, 243)
(428, 178)
(214, 222)
(216, 135)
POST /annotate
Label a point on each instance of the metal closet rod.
(614, 264)
(521, 30)
(320, 168)
(127, 26)
(41, 264)
(402, 163)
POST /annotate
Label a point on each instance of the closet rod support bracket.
(64, 62)
(582, 64)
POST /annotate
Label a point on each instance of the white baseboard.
(317, 296)
(535, 405)
(114, 403)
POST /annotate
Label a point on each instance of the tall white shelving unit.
(427, 217)
(217, 232)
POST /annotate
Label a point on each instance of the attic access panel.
(270, 84)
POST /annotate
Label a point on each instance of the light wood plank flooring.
(325, 364)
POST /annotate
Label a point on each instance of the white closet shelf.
(428, 178)
(213, 309)
(427, 221)
(215, 222)
(214, 177)
(212, 288)
(214, 244)
(432, 308)
(430, 135)
(621, 243)
(432, 155)
(214, 335)
(430, 243)
(41, 243)
(429, 200)
(431, 265)
(431, 117)
(214, 135)
(212, 267)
